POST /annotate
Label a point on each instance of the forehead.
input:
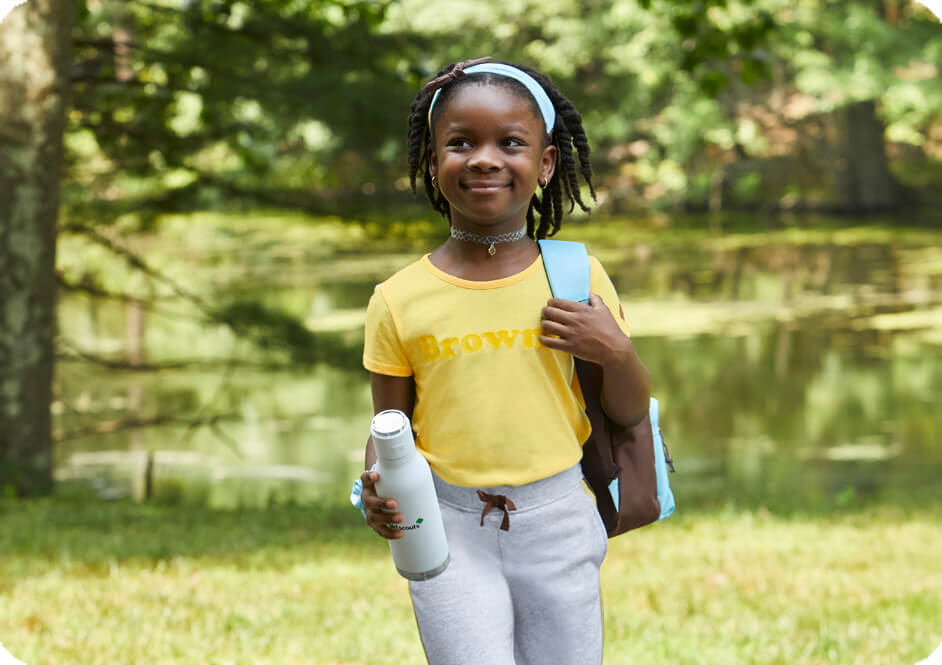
(486, 105)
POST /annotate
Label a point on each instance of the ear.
(548, 163)
(432, 163)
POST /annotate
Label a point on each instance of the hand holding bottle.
(376, 507)
(409, 503)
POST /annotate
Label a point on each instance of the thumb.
(595, 301)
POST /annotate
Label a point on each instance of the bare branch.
(98, 292)
(136, 262)
(73, 352)
(112, 426)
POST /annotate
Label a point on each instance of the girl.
(469, 343)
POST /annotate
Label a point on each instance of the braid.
(564, 138)
(567, 133)
(419, 145)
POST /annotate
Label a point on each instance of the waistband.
(525, 497)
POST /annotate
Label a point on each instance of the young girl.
(470, 344)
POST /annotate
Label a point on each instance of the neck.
(471, 261)
(476, 249)
(491, 240)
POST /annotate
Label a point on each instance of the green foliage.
(673, 93)
(715, 32)
(231, 99)
(302, 104)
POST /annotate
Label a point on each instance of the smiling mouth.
(483, 187)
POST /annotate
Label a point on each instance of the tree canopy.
(302, 104)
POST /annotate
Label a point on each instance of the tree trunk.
(864, 182)
(35, 57)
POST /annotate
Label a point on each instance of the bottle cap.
(389, 423)
(392, 435)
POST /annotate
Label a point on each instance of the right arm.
(389, 392)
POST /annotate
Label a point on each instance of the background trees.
(182, 105)
(709, 105)
(35, 50)
(193, 104)
(764, 103)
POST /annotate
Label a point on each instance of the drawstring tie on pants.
(500, 502)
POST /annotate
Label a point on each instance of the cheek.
(450, 164)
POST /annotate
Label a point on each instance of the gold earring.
(435, 182)
(542, 182)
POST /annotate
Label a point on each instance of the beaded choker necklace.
(458, 234)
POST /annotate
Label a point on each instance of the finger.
(372, 499)
(381, 524)
(378, 503)
(387, 533)
(554, 343)
(369, 478)
(595, 300)
(557, 314)
(555, 328)
(564, 304)
(383, 518)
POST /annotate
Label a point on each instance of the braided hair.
(567, 134)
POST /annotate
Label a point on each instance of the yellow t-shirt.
(493, 406)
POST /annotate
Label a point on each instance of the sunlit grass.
(91, 583)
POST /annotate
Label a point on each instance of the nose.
(485, 158)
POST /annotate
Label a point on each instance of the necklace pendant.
(492, 250)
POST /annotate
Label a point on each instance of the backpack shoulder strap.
(567, 269)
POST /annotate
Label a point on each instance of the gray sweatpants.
(528, 595)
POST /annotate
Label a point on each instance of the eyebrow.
(465, 129)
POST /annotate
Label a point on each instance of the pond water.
(794, 368)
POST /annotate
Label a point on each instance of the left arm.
(590, 332)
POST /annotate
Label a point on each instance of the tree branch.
(112, 426)
(136, 262)
(98, 292)
(198, 363)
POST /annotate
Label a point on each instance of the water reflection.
(790, 372)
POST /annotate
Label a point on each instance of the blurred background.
(197, 198)
(234, 184)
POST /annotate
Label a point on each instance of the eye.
(514, 142)
(458, 143)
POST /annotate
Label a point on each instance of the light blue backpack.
(627, 467)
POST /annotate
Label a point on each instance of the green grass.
(112, 583)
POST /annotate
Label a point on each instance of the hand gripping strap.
(567, 269)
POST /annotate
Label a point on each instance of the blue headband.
(539, 94)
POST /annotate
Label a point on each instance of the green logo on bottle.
(400, 527)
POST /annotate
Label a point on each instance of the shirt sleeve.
(602, 285)
(383, 352)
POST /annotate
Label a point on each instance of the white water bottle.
(404, 475)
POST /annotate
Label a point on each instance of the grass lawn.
(89, 583)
